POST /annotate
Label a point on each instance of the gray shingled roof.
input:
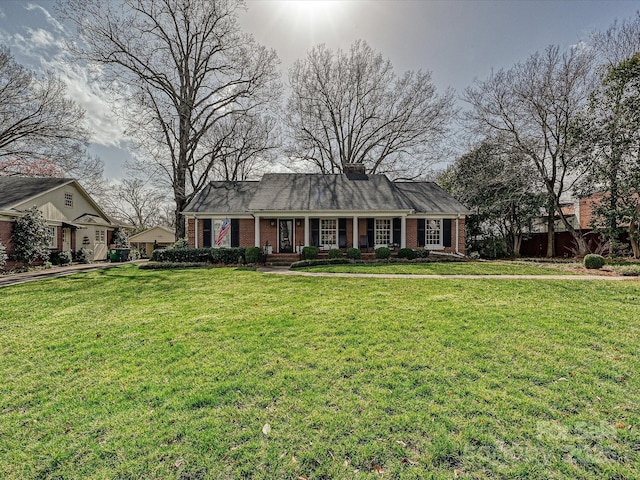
(15, 190)
(316, 192)
(223, 197)
(428, 197)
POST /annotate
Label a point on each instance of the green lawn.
(457, 268)
(215, 373)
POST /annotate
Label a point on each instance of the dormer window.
(68, 200)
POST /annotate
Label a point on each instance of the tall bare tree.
(41, 129)
(351, 107)
(134, 201)
(533, 107)
(181, 67)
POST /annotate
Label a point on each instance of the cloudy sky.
(456, 40)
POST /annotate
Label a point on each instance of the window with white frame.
(225, 241)
(328, 233)
(101, 236)
(433, 233)
(382, 232)
(68, 199)
(52, 237)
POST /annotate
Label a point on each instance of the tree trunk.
(517, 242)
(551, 230)
(633, 233)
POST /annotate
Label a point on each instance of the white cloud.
(2, 14)
(43, 38)
(48, 17)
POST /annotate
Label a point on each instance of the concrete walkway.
(53, 272)
(286, 271)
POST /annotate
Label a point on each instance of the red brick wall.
(269, 233)
(6, 230)
(412, 233)
(300, 232)
(191, 232)
(247, 232)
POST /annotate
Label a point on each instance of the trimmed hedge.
(594, 261)
(354, 253)
(310, 253)
(225, 256)
(253, 254)
(407, 253)
(170, 265)
(335, 253)
(318, 262)
(383, 253)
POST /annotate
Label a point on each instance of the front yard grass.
(216, 373)
(457, 268)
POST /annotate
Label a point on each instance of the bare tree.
(41, 130)
(181, 67)
(618, 42)
(135, 202)
(533, 106)
(350, 107)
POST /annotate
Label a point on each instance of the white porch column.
(195, 221)
(256, 239)
(356, 238)
(403, 232)
(306, 231)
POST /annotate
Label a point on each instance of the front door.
(285, 236)
(66, 239)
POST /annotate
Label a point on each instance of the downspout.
(195, 220)
(458, 234)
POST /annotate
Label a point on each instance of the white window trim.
(52, 237)
(100, 236)
(433, 246)
(70, 196)
(376, 230)
(215, 228)
(324, 246)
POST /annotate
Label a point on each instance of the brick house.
(289, 211)
(74, 220)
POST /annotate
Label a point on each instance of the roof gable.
(17, 190)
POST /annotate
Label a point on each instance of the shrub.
(629, 270)
(84, 255)
(421, 253)
(310, 253)
(252, 255)
(407, 253)
(383, 253)
(30, 239)
(226, 256)
(354, 253)
(64, 257)
(335, 253)
(180, 243)
(318, 262)
(3, 256)
(120, 238)
(594, 261)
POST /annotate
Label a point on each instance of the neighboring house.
(156, 237)
(288, 211)
(74, 219)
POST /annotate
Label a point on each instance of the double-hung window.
(328, 233)
(225, 241)
(52, 237)
(433, 233)
(382, 232)
(68, 199)
(100, 236)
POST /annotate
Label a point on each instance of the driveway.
(17, 278)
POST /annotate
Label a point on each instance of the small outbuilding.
(156, 237)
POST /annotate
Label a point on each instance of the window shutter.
(235, 232)
(421, 232)
(396, 231)
(446, 232)
(342, 233)
(370, 232)
(315, 231)
(206, 232)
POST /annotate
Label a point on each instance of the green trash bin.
(114, 255)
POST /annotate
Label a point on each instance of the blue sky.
(456, 40)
